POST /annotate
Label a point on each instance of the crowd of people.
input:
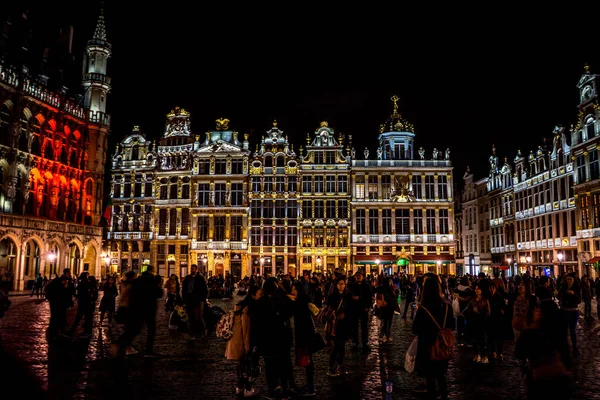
(285, 320)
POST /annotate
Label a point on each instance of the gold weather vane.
(395, 100)
(586, 68)
(222, 124)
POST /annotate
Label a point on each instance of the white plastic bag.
(456, 307)
(411, 356)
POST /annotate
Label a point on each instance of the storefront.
(374, 264)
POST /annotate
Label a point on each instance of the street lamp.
(52, 258)
(319, 263)
(439, 266)
(528, 258)
(560, 258)
(508, 260)
(262, 261)
(107, 262)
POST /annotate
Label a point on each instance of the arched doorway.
(54, 256)
(74, 261)
(32, 260)
(89, 262)
(8, 260)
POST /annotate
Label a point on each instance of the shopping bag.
(411, 356)
(456, 307)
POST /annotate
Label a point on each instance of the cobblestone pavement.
(81, 368)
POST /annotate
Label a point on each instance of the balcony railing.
(49, 226)
(219, 245)
(401, 239)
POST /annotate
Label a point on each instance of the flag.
(108, 210)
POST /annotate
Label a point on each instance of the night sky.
(466, 79)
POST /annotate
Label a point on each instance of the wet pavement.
(189, 369)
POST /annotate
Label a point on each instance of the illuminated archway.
(8, 259)
(89, 262)
(74, 260)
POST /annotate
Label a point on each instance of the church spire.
(100, 32)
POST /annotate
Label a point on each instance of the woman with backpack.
(434, 325)
(240, 344)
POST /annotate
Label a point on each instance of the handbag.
(411, 356)
(302, 359)
(316, 344)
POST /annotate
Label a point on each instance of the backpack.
(442, 348)
(224, 328)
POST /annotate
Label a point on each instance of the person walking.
(434, 312)
(108, 302)
(362, 301)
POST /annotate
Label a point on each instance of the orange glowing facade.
(52, 157)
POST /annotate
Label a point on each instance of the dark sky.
(466, 78)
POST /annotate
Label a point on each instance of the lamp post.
(528, 258)
(377, 263)
(52, 258)
(262, 261)
(560, 258)
(508, 260)
(319, 263)
(439, 266)
(107, 262)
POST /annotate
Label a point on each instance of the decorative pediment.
(220, 147)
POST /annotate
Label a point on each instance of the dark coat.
(272, 321)
(426, 329)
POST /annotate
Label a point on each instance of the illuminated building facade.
(401, 207)
(324, 230)
(181, 201)
(274, 194)
(52, 157)
(475, 229)
(585, 148)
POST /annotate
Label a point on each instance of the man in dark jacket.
(362, 301)
(59, 295)
(145, 290)
(194, 293)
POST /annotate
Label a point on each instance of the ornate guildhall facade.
(52, 157)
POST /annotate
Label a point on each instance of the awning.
(593, 260)
(433, 258)
(502, 267)
(366, 260)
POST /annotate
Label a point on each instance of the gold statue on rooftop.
(222, 124)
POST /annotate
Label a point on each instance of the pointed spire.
(100, 32)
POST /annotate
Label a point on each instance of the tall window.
(220, 194)
(173, 221)
(148, 189)
(116, 189)
(330, 212)
(318, 155)
(360, 222)
(444, 221)
(203, 194)
(418, 221)
(163, 192)
(581, 177)
(137, 189)
(306, 237)
(342, 181)
(319, 211)
(359, 186)
(219, 228)
(430, 215)
(185, 221)
(255, 236)
(292, 184)
(402, 222)
(318, 183)
(237, 167)
(220, 167)
(416, 186)
(373, 222)
(443, 187)
(237, 194)
(292, 233)
(204, 167)
(268, 236)
(429, 187)
(330, 184)
(319, 237)
(185, 189)
(386, 186)
(596, 210)
(386, 221)
(268, 184)
(279, 236)
(373, 187)
(162, 222)
(307, 184)
(330, 157)
(236, 228)
(173, 188)
(256, 184)
(306, 209)
(268, 209)
(280, 208)
(280, 183)
(292, 209)
(330, 237)
(255, 211)
(593, 161)
(202, 229)
(342, 208)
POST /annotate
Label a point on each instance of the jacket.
(239, 344)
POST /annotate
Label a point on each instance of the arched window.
(23, 142)
(89, 187)
(268, 161)
(280, 161)
(74, 258)
(32, 259)
(73, 160)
